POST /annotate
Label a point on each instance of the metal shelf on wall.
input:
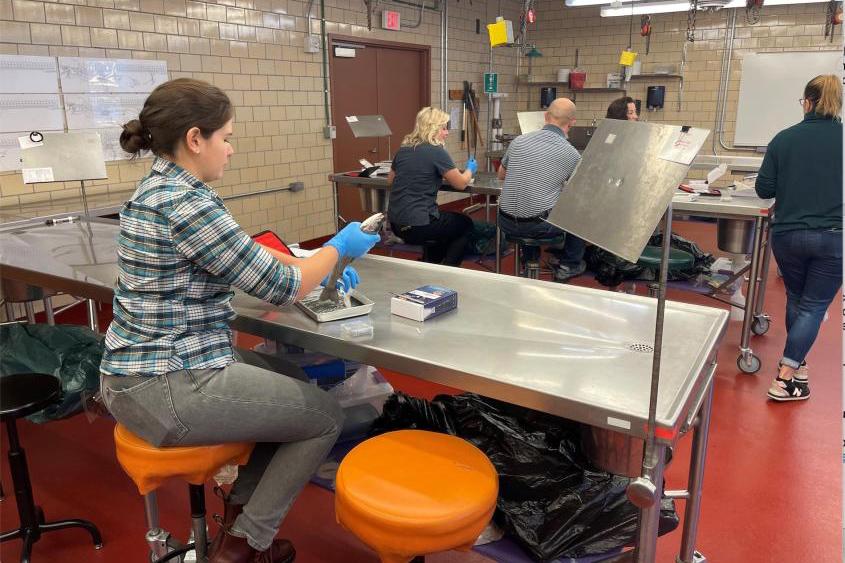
(654, 76)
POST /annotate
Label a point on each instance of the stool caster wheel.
(760, 325)
(752, 365)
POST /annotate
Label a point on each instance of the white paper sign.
(26, 142)
(682, 146)
(37, 175)
(351, 119)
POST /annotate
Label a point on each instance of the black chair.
(21, 395)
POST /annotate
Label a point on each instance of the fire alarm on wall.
(390, 20)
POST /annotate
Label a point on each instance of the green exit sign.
(491, 82)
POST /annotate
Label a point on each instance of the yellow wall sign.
(627, 58)
(500, 32)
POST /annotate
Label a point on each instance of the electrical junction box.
(312, 44)
(390, 20)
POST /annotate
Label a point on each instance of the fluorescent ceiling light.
(645, 8)
(640, 8)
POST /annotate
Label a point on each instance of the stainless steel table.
(580, 353)
(755, 210)
(759, 211)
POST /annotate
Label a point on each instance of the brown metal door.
(382, 79)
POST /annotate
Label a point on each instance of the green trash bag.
(482, 239)
(71, 353)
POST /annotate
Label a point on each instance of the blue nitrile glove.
(472, 165)
(347, 281)
(352, 242)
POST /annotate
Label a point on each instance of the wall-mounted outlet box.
(312, 44)
(296, 186)
(330, 132)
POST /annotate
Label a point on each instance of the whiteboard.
(771, 85)
(20, 74)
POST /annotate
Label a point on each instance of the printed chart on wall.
(96, 95)
(29, 100)
(103, 94)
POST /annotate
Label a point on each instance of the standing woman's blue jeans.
(811, 264)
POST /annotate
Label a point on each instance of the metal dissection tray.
(361, 305)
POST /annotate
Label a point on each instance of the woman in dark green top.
(803, 170)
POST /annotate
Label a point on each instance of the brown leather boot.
(234, 549)
(230, 512)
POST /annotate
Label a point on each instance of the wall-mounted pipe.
(724, 82)
(444, 57)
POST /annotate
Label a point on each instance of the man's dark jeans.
(570, 254)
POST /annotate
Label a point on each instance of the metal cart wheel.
(760, 325)
(751, 366)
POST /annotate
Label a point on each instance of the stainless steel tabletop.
(571, 351)
(575, 352)
(78, 258)
(747, 207)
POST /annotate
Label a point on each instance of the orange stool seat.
(410, 492)
(150, 466)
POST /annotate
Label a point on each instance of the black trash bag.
(71, 353)
(550, 498)
(611, 270)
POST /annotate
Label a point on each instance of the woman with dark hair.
(802, 169)
(169, 371)
(624, 108)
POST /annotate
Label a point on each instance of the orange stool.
(410, 492)
(149, 467)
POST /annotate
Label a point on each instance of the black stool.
(530, 249)
(21, 395)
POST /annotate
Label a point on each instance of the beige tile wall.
(561, 31)
(253, 50)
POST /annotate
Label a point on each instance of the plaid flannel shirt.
(179, 253)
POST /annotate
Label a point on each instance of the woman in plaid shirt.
(170, 373)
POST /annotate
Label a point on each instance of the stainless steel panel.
(621, 187)
(72, 156)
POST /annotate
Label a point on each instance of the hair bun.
(135, 137)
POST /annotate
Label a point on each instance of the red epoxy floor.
(772, 489)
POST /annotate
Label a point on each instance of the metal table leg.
(498, 245)
(747, 361)
(649, 518)
(696, 478)
(760, 321)
(93, 324)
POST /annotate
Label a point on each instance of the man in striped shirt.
(534, 169)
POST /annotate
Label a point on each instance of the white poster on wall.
(80, 75)
(23, 74)
(94, 111)
(31, 112)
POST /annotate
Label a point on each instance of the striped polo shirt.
(537, 164)
(179, 251)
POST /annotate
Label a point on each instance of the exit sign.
(390, 20)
